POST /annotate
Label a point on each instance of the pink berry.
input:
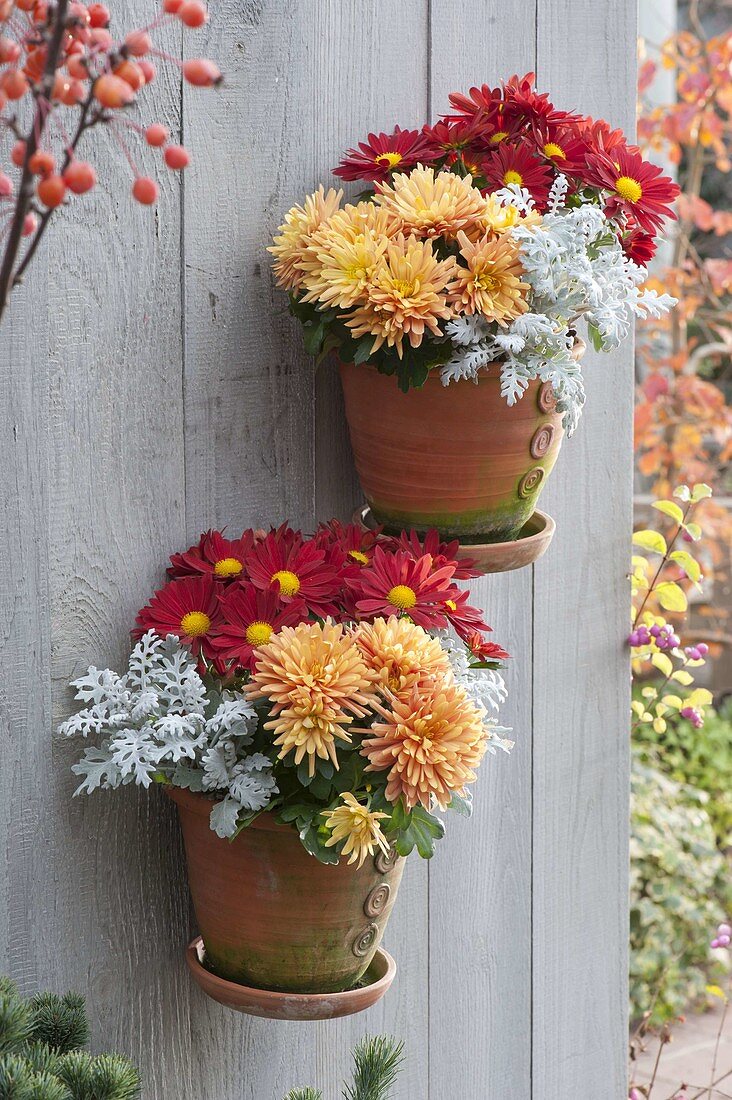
(145, 190)
(138, 43)
(148, 70)
(99, 15)
(80, 177)
(725, 930)
(9, 51)
(177, 156)
(201, 72)
(192, 13)
(6, 186)
(157, 134)
(30, 224)
(17, 154)
(172, 7)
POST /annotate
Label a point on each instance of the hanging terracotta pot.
(456, 457)
(271, 915)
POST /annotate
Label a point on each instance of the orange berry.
(80, 177)
(101, 39)
(51, 191)
(148, 70)
(42, 163)
(35, 63)
(9, 50)
(130, 72)
(40, 12)
(177, 156)
(145, 190)
(6, 186)
(15, 84)
(201, 72)
(192, 13)
(80, 13)
(25, 5)
(76, 67)
(98, 15)
(157, 134)
(112, 91)
(30, 224)
(17, 154)
(138, 43)
(172, 7)
(74, 93)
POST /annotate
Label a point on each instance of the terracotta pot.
(454, 457)
(272, 916)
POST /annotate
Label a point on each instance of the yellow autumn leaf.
(659, 725)
(673, 701)
(650, 540)
(682, 493)
(649, 692)
(681, 676)
(699, 697)
(669, 508)
(694, 531)
(662, 663)
(671, 596)
(690, 565)
(715, 991)
(700, 492)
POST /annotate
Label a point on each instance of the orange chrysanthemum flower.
(293, 238)
(491, 283)
(406, 297)
(359, 826)
(429, 204)
(344, 254)
(317, 681)
(429, 742)
(401, 654)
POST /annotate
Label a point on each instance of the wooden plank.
(586, 59)
(302, 81)
(480, 878)
(94, 500)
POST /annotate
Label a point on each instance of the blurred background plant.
(376, 1064)
(681, 638)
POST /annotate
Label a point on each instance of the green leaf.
(463, 804)
(671, 596)
(682, 492)
(313, 336)
(313, 839)
(694, 531)
(421, 831)
(700, 492)
(595, 336)
(669, 509)
(652, 541)
(690, 565)
(363, 350)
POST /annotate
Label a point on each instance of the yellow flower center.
(195, 623)
(403, 288)
(228, 567)
(357, 555)
(513, 177)
(402, 596)
(451, 605)
(289, 583)
(259, 633)
(389, 159)
(485, 281)
(628, 189)
(552, 150)
(497, 138)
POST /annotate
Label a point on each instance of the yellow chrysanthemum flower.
(491, 283)
(293, 237)
(429, 742)
(499, 219)
(316, 680)
(426, 203)
(401, 654)
(358, 826)
(406, 297)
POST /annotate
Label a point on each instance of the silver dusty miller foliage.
(159, 722)
(576, 268)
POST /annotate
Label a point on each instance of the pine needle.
(377, 1062)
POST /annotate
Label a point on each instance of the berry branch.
(60, 54)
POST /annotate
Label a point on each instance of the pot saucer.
(292, 1006)
(496, 557)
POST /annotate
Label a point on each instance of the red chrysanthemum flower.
(518, 164)
(599, 136)
(441, 552)
(222, 557)
(524, 105)
(639, 246)
(398, 584)
(187, 607)
(295, 571)
(452, 137)
(383, 154)
(561, 144)
(250, 616)
(637, 187)
(347, 545)
(485, 651)
(480, 103)
(465, 619)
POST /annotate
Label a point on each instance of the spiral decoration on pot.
(547, 399)
(542, 440)
(377, 900)
(365, 940)
(385, 863)
(530, 482)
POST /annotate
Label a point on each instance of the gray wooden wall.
(151, 385)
